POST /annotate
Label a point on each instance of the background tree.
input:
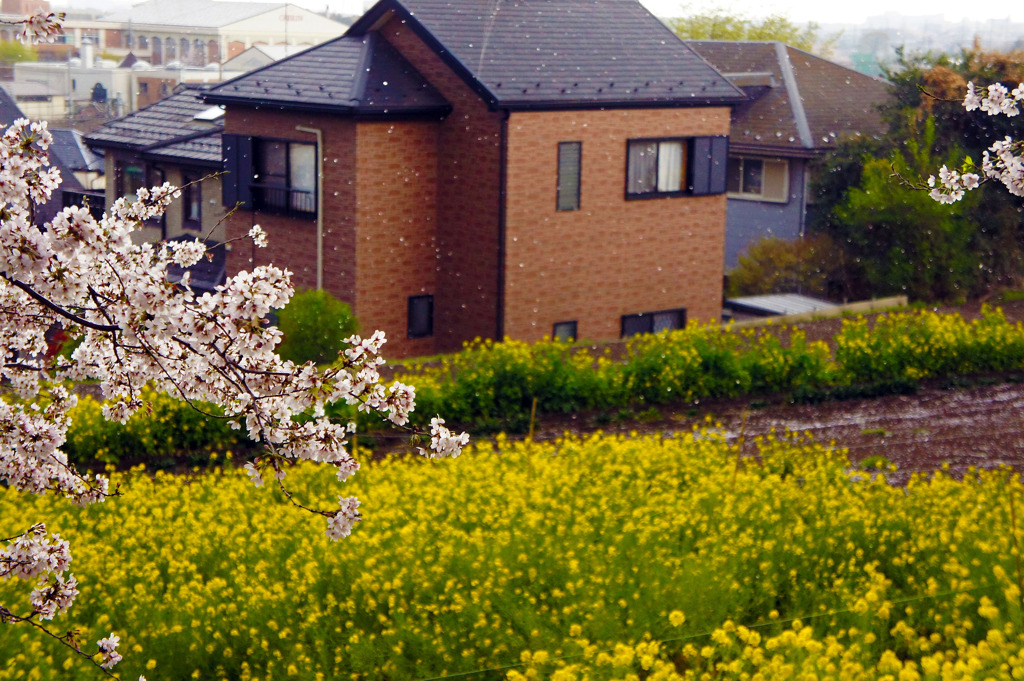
(719, 24)
(927, 124)
(12, 51)
(774, 265)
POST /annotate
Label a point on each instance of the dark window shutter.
(719, 164)
(710, 158)
(237, 151)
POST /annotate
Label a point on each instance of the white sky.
(800, 11)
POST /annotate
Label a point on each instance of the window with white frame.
(758, 179)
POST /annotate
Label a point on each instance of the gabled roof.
(191, 13)
(69, 146)
(799, 104)
(167, 129)
(9, 112)
(559, 53)
(359, 75)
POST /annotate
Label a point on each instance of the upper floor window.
(569, 156)
(271, 175)
(675, 166)
(758, 179)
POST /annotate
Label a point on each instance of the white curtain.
(670, 166)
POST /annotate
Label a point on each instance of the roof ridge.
(793, 91)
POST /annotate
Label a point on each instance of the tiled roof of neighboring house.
(168, 129)
(560, 53)
(361, 75)
(799, 103)
(29, 89)
(9, 112)
(260, 55)
(69, 146)
(191, 13)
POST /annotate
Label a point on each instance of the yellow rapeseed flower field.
(598, 558)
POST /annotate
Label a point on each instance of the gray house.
(799, 107)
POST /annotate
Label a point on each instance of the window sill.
(755, 197)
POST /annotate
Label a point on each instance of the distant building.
(200, 32)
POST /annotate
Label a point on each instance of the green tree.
(718, 24)
(14, 51)
(774, 265)
(315, 325)
(929, 86)
(900, 240)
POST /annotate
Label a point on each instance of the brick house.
(799, 107)
(463, 170)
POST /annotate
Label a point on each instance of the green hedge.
(491, 386)
(165, 433)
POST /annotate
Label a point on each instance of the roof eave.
(786, 151)
(178, 160)
(357, 111)
(556, 105)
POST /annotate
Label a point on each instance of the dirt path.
(979, 426)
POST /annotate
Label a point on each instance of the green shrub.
(165, 432)
(315, 325)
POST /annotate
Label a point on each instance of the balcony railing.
(284, 201)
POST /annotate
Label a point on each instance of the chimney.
(88, 53)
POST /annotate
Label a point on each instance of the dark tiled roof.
(359, 75)
(561, 53)
(70, 148)
(799, 103)
(9, 111)
(167, 129)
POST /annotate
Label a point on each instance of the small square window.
(421, 316)
(758, 179)
(564, 331)
(569, 156)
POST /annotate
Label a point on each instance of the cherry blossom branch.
(42, 300)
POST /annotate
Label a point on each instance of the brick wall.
(396, 200)
(469, 171)
(292, 241)
(611, 257)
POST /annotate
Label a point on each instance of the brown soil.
(979, 426)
